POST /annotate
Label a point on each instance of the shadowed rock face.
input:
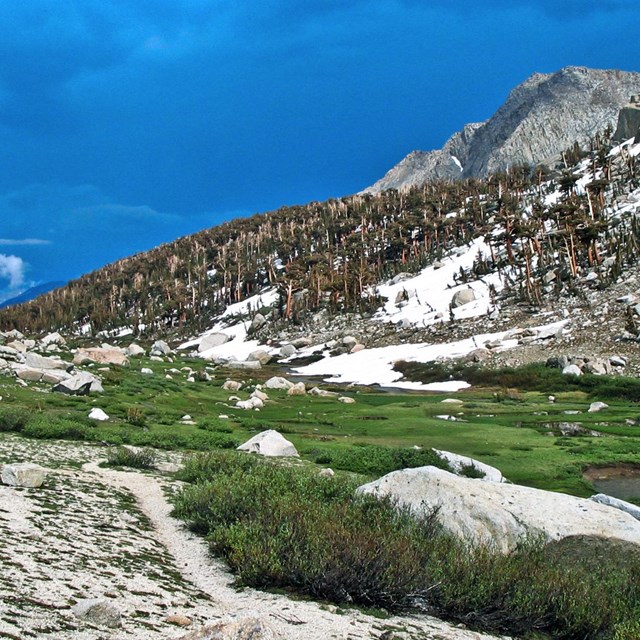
(540, 118)
(629, 121)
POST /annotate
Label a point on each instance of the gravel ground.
(90, 532)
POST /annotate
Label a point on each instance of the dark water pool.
(619, 480)
(623, 487)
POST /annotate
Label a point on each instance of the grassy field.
(515, 430)
(354, 550)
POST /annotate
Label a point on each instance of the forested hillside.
(333, 254)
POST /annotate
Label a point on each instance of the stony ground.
(91, 532)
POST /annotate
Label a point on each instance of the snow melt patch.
(375, 366)
(428, 295)
(238, 348)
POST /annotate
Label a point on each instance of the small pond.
(619, 481)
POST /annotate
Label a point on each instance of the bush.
(131, 457)
(345, 548)
(136, 417)
(530, 377)
(376, 460)
(49, 427)
(287, 527)
(13, 419)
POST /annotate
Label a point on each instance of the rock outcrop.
(542, 117)
(629, 121)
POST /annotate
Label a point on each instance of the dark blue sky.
(126, 123)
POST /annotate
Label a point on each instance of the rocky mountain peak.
(540, 118)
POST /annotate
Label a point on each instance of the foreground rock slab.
(500, 515)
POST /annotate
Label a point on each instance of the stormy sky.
(125, 124)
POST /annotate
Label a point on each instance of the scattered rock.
(134, 350)
(616, 503)
(160, 348)
(346, 400)
(98, 414)
(100, 355)
(256, 324)
(53, 338)
(617, 361)
(100, 611)
(298, 389)
(248, 365)
(179, 620)
(232, 385)
(269, 443)
(572, 370)
(287, 350)
(262, 356)
(278, 382)
(79, 384)
(594, 407)
(23, 474)
(322, 393)
(327, 473)
(246, 629)
(146, 371)
(459, 463)
(213, 340)
(462, 297)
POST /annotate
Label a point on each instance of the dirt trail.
(95, 532)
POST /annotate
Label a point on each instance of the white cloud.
(12, 268)
(22, 242)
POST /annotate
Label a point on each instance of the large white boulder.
(100, 355)
(499, 514)
(99, 611)
(79, 384)
(134, 350)
(213, 340)
(278, 382)
(98, 414)
(269, 443)
(459, 464)
(53, 338)
(23, 474)
(36, 361)
(462, 297)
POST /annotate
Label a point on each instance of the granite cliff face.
(541, 117)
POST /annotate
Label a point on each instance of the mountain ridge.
(540, 118)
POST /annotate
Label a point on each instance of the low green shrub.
(287, 527)
(13, 419)
(131, 457)
(530, 377)
(377, 460)
(214, 424)
(48, 427)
